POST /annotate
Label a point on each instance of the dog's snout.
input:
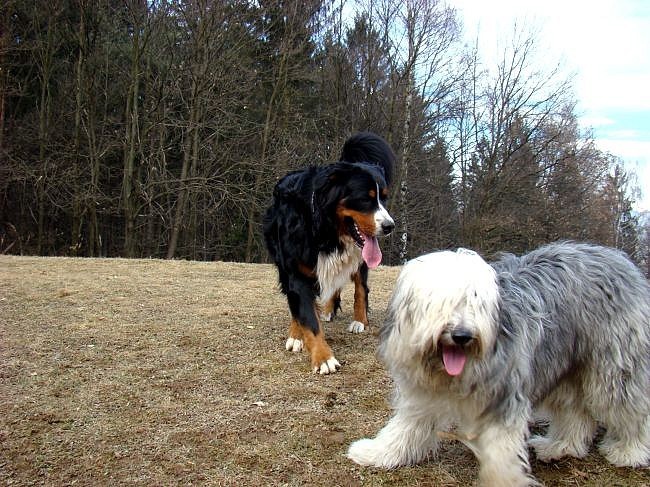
(462, 337)
(384, 223)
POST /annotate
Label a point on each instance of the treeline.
(158, 128)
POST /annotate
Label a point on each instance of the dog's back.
(594, 283)
(590, 299)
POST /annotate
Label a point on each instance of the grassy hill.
(150, 372)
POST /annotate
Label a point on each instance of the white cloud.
(629, 149)
(631, 135)
(597, 121)
(601, 90)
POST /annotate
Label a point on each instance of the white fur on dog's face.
(438, 295)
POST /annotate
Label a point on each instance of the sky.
(606, 43)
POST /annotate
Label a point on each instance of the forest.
(157, 128)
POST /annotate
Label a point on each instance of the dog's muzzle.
(454, 345)
(462, 337)
(384, 223)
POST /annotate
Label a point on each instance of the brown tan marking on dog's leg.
(328, 310)
(360, 322)
(322, 358)
(360, 300)
(295, 340)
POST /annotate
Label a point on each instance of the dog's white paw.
(362, 452)
(293, 344)
(548, 450)
(369, 453)
(544, 449)
(625, 455)
(326, 316)
(330, 366)
(356, 327)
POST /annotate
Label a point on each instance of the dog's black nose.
(387, 227)
(462, 337)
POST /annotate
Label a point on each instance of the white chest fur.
(335, 269)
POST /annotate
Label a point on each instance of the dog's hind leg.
(627, 440)
(360, 322)
(329, 308)
(619, 398)
(571, 428)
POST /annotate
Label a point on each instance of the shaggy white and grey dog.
(479, 349)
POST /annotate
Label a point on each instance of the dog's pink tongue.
(454, 359)
(371, 252)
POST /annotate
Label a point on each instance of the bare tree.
(418, 36)
(4, 68)
(644, 244)
(160, 128)
(289, 30)
(138, 23)
(509, 110)
(44, 50)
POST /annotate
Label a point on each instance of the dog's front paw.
(329, 366)
(363, 452)
(356, 327)
(293, 344)
(369, 453)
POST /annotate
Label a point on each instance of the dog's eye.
(363, 202)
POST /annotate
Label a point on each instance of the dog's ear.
(328, 190)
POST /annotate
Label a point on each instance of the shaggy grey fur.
(579, 313)
(569, 338)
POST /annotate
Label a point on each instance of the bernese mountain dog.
(321, 231)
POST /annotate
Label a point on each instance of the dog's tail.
(372, 149)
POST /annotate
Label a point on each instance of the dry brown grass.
(147, 372)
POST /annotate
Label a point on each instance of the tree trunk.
(128, 199)
(279, 84)
(190, 135)
(404, 171)
(43, 130)
(4, 69)
(78, 207)
(406, 137)
(94, 237)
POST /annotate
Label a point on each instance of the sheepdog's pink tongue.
(371, 252)
(454, 359)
